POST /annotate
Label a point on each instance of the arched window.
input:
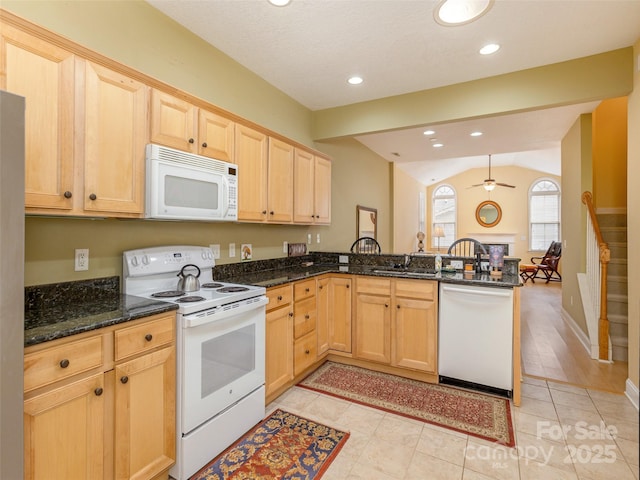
(544, 214)
(444, 215)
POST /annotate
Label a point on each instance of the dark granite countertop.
(281, 276)
(60, 310)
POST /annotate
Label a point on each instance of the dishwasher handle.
(484, 292)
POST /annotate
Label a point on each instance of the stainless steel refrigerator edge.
(12, 150)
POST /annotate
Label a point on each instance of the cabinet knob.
(64, 363)
(271, 212)
(93, 196)
(348, 286)
(320, 287)
(279, 298)
(124, 379)
(386, 305)
(67, 194)
(306, 317)
(307, 352)
(306, 290)
(204, 145)
(148, 337)
(264, 212)
(398, 307)
(191, 140)
(98, 391)
(291, 314)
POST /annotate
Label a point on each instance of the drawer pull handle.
(306, 290)
(64, 363)
(124, 379)
(279, 298)
(148, 337)
(98, 391)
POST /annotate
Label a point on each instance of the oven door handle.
(223, 312)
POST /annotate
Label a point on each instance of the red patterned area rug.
(473, 413)
(282, 446)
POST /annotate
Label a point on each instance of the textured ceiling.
(309, 48)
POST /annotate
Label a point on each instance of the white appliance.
(475, 337)
(220, 350)
(184, 186)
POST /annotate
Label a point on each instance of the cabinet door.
(323, 318)
(339, 314)
(216, 136)
(279, 349)
(415, 334)
(145, 415)
(322, 191)
(280, 182)
(116, 132)
(303, 187)
(373, 328)
(173, 122)
(44, 75)
(63, 431)
(251, 157)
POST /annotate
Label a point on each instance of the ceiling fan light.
(489, 185)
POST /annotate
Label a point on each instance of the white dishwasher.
(475, 337)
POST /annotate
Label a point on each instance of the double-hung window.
(544, 214)
(444, 216)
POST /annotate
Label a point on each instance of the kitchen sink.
(408, 273)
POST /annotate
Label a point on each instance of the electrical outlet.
(285, 247)
(318, 238)
(215, 248)
(232, 250)
(457, 264)
(82, 259)
(309, 238)
(343, 258)
(484, 266)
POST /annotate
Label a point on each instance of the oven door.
(222, 362)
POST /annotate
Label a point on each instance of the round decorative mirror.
(488, 213)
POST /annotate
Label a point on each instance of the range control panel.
(157, 260)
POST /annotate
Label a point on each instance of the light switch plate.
(457, 264)
(232, 250)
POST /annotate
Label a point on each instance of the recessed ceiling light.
(489, 49)
(279, 3)
(438, 145)
(476, 134)
(459, 12)
(355, 80)
(428, 132)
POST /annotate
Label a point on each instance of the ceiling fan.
(489, 184)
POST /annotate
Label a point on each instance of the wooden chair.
(466, 247)
(548, 264)
(366, 245)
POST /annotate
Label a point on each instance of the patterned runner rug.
(282, 446)
(473, 413)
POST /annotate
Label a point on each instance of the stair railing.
(598, 256)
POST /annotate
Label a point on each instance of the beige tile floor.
(600, 439)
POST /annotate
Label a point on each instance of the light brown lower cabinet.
(103, 418)
(279, 340)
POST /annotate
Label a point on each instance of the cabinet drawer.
(145, 336)
(304, 352)
(302, 290)
(279, 296)
(304, 317)
(56, 363)
(423, 289)
(374, 286)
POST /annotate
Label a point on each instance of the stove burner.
(211, 285)
(233, 289)
(168, 293)
(189, 299)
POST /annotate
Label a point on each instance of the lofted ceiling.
(309, 48)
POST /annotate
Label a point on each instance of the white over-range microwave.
(185, 186)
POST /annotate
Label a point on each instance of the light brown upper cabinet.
(115, 135)
(179, 124)
(86, 127)
(312, 189)
(44, 74)
(265, 177)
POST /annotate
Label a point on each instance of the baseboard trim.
(632, 393)
(582, 337)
